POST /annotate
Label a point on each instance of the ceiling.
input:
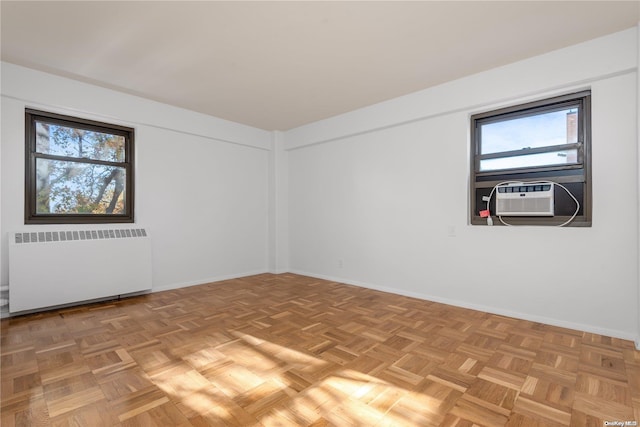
(279, 65)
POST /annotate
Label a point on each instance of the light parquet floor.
(289, 350)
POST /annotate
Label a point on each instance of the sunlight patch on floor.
(253, 375)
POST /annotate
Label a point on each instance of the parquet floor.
(288, 350)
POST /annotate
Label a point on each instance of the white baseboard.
(458, 303)
(488, 309)
(179, 285)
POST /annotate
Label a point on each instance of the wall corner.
(637, 340)
(278, 235)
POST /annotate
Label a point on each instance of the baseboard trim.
(488, 309)
(179, 285)
(458, 303)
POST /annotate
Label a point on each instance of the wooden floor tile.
(290, 350)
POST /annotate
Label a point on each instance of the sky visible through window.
(522, 133)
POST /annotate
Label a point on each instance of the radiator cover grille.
(61, 236)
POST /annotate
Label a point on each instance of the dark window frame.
(578, 175)
(31, 216)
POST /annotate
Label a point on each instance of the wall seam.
(575, 86)
(105, 117)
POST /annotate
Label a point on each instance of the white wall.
(201, 182)
(379, 198)
(376, 197)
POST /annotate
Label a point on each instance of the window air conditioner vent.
(525, 199)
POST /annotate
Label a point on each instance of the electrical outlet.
(451, 230)
(340, 263)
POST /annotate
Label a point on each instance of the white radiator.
(51, 268)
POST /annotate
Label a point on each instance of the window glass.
(72, 188)
(73, 142)
(540, 130)
(565, 157)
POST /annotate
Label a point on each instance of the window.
(547, 140)
(77, 170)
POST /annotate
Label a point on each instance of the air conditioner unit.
(525, 199)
